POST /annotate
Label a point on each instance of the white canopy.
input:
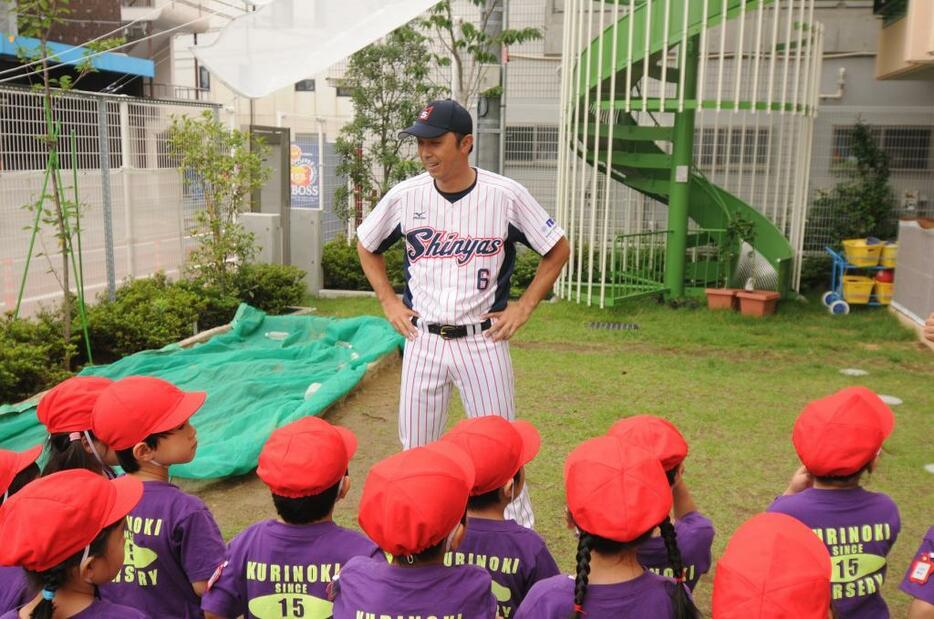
(285, 41)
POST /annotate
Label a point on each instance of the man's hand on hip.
(400, 317)
(508, 321)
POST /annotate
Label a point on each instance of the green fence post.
(682, 155)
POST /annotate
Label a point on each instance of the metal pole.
(679, 197)
(488, 124)
(563, 149)
(583, 155)
(103, 139)
(609, 159)
(596, 160)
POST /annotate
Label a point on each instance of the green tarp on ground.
(263, 373)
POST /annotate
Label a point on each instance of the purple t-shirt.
(274, 569)
(859, 528)
(172, 541)
(649, 595)
(13, 588)
(695, 537)
(372, 588)
(515, 556)
(922, 591)
(99, 609)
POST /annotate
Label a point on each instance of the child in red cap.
(617, 494)
(515, 556)
(16, 470)
(838, 438)
(66, 531)
(173, 545)
(692, 529)
(413, 506)
(65, 411)
(304, 464)
(774, 567)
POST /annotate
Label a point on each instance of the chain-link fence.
(135, 207)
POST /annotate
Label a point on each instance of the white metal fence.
(135, 209)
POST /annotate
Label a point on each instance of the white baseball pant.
(480, 368)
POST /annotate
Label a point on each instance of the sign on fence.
(304, 172)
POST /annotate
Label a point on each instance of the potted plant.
(738, 230)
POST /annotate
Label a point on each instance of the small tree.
(218, 164)
(468, 46)
(37, 19)
(390, 81)
(861, 205)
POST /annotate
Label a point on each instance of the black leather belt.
(453, 332)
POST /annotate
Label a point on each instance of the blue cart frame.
(833, 299)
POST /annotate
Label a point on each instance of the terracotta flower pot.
(757, 303)
(722, 298)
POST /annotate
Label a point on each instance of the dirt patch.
(370, 411)
(563, 346)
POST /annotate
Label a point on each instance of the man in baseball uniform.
(460, 225)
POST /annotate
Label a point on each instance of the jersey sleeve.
(533, 221)
(382, 227)
(200, 546)
(545, 566)
(225, 595)
(919, 578)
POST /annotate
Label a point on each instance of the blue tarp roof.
(74, 54)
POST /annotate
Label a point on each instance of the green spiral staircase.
(637, 160)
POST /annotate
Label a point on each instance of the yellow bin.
(860, 254)
(856, 288)
(889, 253)
(884, 292)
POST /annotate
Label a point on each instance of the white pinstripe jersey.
(458, 257)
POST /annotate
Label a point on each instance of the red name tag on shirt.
(920, 570)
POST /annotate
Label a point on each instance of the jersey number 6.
(483, 279)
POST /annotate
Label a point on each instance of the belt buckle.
(447, 332)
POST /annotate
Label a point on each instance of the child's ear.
(570, 519)
(143, 452)
(508, 490)
(458, 536)
(345, 488)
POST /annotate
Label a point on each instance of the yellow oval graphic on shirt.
(503, 594)
(847, 568)
(290, 606)
(137, 556)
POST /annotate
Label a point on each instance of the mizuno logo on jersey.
(438, 244)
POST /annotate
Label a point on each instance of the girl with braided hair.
(694, 531)
(65, 411)
(66, 532)
(617, 494)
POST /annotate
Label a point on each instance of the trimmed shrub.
(342, 270)
(31, 357)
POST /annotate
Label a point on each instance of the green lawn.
(733, 386)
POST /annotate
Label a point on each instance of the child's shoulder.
(103, 608)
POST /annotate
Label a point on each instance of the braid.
(683, 604)
(51, 579)
(584, 543)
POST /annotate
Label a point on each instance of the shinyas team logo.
(428, 243)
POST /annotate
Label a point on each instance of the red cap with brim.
(838, 435)
(655, 434)
(306, 457)
(55, 517)
(498, 448)
(137, 406)
(67, 406)
(616, 490)
(12, 463)
(774, 567)
(413, 500)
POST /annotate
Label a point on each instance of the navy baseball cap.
(439, 117)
